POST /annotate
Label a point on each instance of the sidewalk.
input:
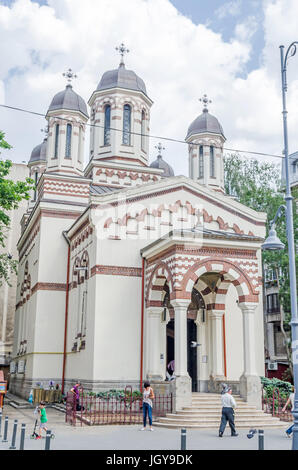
(130, 437)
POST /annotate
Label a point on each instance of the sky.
(182, 49)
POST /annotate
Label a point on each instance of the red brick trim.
(51, 286)
(116, 271)
(202, 196)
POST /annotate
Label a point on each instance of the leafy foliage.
(116, 395)
(282, 386)
(11, 194)
(258, 185)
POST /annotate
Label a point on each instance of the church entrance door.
(192, 367)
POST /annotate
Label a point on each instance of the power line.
(169, 139)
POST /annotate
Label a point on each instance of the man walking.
(228, 405)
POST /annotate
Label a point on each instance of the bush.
(116, 395)
(282, 386)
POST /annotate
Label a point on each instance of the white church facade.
(123, 264)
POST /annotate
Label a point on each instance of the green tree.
(258, 185)
(11, 194)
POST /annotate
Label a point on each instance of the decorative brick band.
(116, 271)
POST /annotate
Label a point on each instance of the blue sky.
(228, 49)
(223, 16)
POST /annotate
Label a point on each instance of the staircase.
(205, 412)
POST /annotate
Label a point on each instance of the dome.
(205, 123)
(162, 165)
(39, 152)
(68, 99)
(121, 78)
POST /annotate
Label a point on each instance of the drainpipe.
(66, 309)
(142, 325)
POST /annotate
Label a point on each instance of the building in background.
(18, 172)
(275, 350)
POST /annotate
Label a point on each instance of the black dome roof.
(122, 78)
(68, 99)
(205, 123)
(39, 152)
(162, 165)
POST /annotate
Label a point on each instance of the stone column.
(154, 347)
(217, 370)
(250, 382)
(183, 381)
(202, 354)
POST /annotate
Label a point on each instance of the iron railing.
(274, 404)
(93, 410)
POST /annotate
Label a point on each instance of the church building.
(124, 266)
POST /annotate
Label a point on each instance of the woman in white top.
(148, 396)
(290, 400)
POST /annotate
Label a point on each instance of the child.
(43, 418)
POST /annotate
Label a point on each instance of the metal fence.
(274, 404)
(93, 410)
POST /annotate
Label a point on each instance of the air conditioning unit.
(272, 366)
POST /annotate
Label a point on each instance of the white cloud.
(178, 60)
(232, 8)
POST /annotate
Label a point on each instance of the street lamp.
(273, 242)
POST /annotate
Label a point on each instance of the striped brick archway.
(230, 274)
(155, 288)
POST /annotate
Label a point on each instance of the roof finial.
(122, 50)
(70, 76)
(159, 147)
(45, 131)
(205, 101)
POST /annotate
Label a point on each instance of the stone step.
(181, 420)
(250, 425)
(210, 414)
(216, 408)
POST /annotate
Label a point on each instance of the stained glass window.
(56, 140)
(143, 131)
(107, 129)
(201, 162)
(126, 124)
(212, 163)
(68, 141)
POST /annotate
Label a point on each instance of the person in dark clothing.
(228, 405)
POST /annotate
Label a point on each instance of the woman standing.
(148, 396)
(290, 400)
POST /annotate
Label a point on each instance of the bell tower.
(120, 117)
(205, 137)
(67, 117)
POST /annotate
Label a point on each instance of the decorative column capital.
(216, 314)
(154, 311)
(247, 307)
(180, 303)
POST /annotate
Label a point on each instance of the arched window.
(201, 162)
(35, 184)
(107, 128)
(68, 141)
(143, 131)
(126, 124)
(56, 141)
(212, 163)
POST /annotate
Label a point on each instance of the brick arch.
(159, 276)
(231, 274)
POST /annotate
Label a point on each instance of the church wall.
(234, 335)
(117, 329)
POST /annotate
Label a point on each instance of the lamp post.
(273, 243)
